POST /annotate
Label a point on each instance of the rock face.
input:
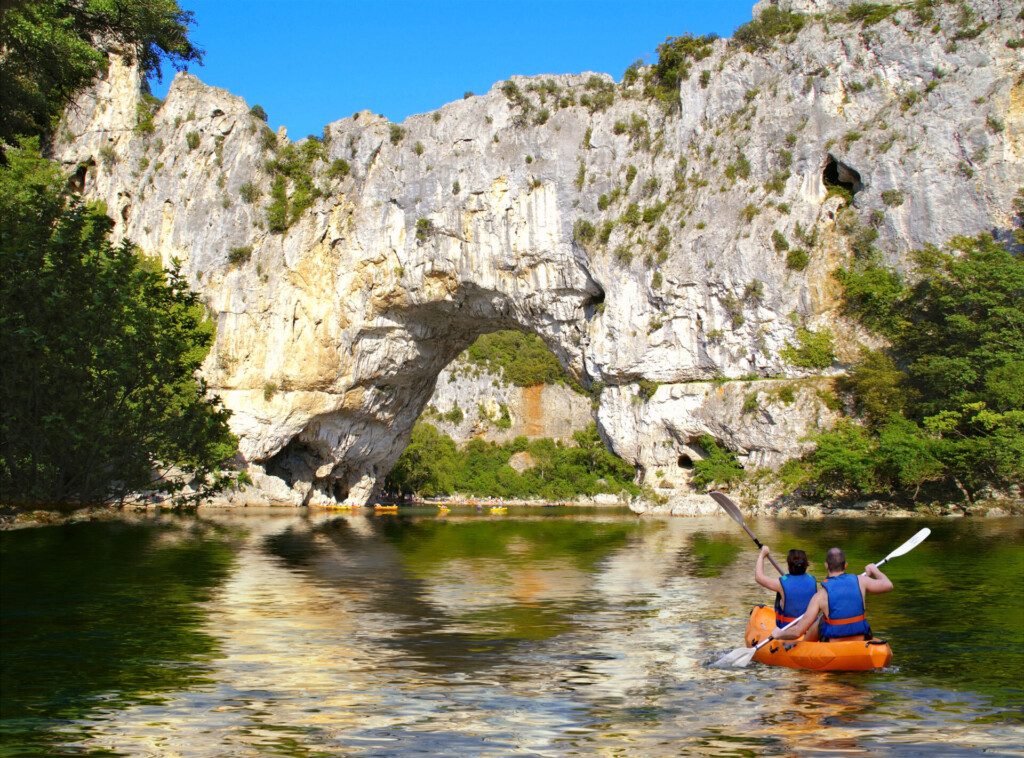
(332, 333)
(492, 410)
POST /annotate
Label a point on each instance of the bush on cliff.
(101, 347)
(675, 56)
(523, 359)
(718, 467)
(771, 24)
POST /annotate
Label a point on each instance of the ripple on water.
(557, 636)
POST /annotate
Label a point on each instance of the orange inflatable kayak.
(850, 654)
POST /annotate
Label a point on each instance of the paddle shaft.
(770, 637)
(734, 513)
(759, 545)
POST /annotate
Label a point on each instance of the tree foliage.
(718, 467)
(943, 406)
(522, 358)
(812, 349)
(675, 56)
(293, 190)
(101, 347)
(433, 465)
(53, 48)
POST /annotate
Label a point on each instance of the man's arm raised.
(768, 582)
(874, 581)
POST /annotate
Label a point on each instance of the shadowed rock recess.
(645, 241)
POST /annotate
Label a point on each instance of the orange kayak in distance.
(849, 654)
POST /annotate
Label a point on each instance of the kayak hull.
(838, 655)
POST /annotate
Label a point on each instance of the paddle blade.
(910, 544)
(735, 659)
(727, 505)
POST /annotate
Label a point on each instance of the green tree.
(965, 325)
(813, 349)
(427, 465)
(771, 24)
(675, 55)
(871, 295)
(943, 406)
(843, 460)
(433, 465)
(877, 386)
(523, 359)
(718, 467)
(101, 349)
(907, 456)
(53, 48)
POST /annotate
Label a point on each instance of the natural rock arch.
(331, 328)
(318, 462)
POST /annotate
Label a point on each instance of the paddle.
(741, 656)
(907, 546)
(734, 511)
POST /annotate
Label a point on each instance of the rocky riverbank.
(698, 505)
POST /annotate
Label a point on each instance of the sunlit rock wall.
(496, 411)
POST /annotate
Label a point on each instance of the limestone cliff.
(647, 245)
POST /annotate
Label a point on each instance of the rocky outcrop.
(647, 245)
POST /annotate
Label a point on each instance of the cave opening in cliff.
(594, 305)
(838, 174)
(685, 462)
(76, 182)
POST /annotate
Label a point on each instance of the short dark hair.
(797, 560)
(835, 559)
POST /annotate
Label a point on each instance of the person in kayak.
(793, 591)
(842, 601)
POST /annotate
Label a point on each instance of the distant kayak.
(838, 655)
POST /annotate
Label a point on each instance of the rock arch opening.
(506, 420)
(405, 367)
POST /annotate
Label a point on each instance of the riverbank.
(694, 507)
(798, 507)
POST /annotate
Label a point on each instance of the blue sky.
(310, 62)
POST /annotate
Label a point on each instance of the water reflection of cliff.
(545, 636)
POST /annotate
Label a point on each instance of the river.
(545, 632)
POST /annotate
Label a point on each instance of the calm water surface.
(544, 632)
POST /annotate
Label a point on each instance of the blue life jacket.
(798, 589)
(845, 617)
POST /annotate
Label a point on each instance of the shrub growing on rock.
(813, 349)
(771, 24)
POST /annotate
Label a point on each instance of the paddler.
(793, 591)
(842, 601)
